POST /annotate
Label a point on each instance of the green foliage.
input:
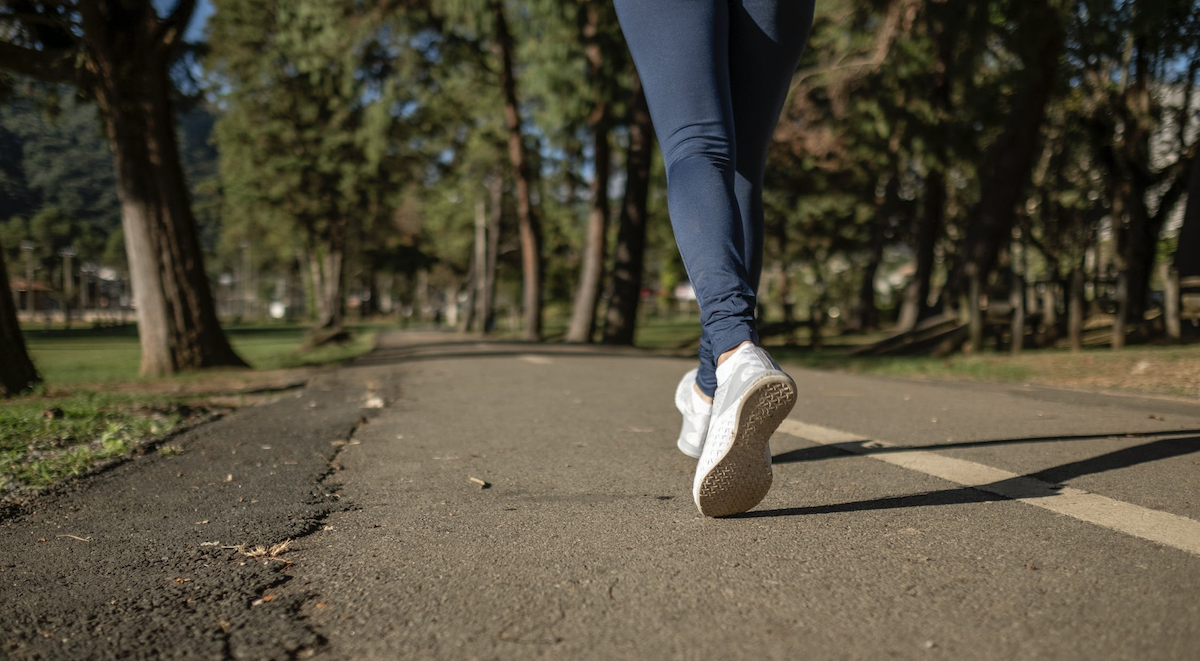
(907, 89)
(57, 157)
(56, 182)
(341, 122)
(57, 186)
(323, 128)
(45, 439)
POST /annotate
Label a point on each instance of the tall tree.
(118, 53)
(597, 22)
(1132, 127)
(532, 265)
(17, 372)
(316, 152)
(1004, 175)
(943, 24)
(621, 318)
(1187, 252)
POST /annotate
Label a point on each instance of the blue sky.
(204, 9)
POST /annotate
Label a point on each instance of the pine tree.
(118, 53)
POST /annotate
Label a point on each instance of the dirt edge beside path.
(160, 556)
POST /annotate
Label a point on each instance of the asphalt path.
(909, 519)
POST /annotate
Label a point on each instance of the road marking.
(536, 360)
(1171, 530)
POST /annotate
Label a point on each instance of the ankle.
(725, 356)
(700, 393)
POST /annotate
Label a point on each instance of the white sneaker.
(695, 423)
(753, 397)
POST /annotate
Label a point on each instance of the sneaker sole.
(742, 478)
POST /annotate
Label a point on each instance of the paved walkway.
(908, 520)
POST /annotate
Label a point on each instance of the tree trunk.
(326, 254)
(479, 292)
(1171, 303)
(621, 320)
(333, 287)
(421, 297)
(866, 314)
(915, 306)
(370, 307)
(17, 372)
(487, 306)
(1017, 300)
(587, 296)
(1050, 312)
(1123, 313)
(1139, 249)
(177, 321)
(916, 295)
(313, 257)
(816, 322)
(788, 302)
(530, 228)
(1075, 309)
(583, 314)
(1007, 166)
(468, 314)
(1187, 252)
(974, 314)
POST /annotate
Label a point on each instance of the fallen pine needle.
(481, 483)
(265, 552)
(74, 537)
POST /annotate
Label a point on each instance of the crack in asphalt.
(156, 579)
(330, 494)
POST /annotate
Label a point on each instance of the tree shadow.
(468, 349)
(1047, 482)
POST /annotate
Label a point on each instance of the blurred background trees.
(118, 55)
(1008, 174)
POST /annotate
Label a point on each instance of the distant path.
(891, 531)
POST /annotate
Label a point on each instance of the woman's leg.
(766, 40)
(681, 49)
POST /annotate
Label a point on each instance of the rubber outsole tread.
(742, 478)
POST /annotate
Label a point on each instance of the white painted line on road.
(1171, 530)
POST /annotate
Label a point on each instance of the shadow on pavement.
(1043, 483)
(821, 452)
(960, 496)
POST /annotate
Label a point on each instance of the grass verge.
(1163, 370)
(45, 439)
(67, 429)
(104, 355)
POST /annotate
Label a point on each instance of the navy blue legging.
(716, 74)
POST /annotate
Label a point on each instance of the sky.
(204, 9)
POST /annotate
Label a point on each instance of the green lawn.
(43, 439)
(84, 356)
(85, 420)
(1170, 370)
(983, 367)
